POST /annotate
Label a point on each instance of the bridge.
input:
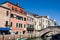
(53, 29)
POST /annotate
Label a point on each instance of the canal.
(35, 39)
(53, 37)
(43, 38)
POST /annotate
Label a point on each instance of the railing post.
(3, 36)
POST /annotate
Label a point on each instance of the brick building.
(13, 16)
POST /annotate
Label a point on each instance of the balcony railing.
(30, 29)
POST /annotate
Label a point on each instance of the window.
(11, 24)
(28, 25)
(31, 19)
(43, 20)
(24, 25)
(12, 8)
(46, 21)
(7, 13)
(19, 17)
(55, 23)
(16, 24)
(12, 15)
(16, 32)
(23, 32)
(20, 11)
(31, 26)
(24, 19)
(6, 24)
(20, 25)
(16, 9)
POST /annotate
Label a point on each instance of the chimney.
(17, 4)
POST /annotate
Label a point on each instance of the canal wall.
(15, 37)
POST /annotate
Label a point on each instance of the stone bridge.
(56, 30)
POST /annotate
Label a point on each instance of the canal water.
(43, 38)
(36, 39)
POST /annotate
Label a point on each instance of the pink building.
(14, 17)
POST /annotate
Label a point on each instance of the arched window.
(12, 8)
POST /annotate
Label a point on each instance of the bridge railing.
(53, 27)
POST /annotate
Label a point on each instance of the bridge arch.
(47, 30)
(45, 33)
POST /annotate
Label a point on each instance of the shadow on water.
(55, 37)
(44, 36)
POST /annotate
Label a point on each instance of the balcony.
(30, 29)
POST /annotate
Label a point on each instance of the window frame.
(24, 25)
(20, 25)
(24, 19)
(12, 8)
(12, 15)
(7, 13)
(11, 24)
(17, 25)
(6, 23)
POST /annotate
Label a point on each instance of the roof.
(35, 15)
(52, 20)
(44, 16)
(5, 7)
(11, 3)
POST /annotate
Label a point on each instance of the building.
(52, 22)
(44, 21)
(37, 22)
(4, 18)
(21, 22)
(14, 18)
(30, 22)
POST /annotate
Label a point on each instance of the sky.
(50, 8)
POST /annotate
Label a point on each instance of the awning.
(4, 29)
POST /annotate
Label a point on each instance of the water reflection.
(35, 39)
(52, 37)
(55, 37)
